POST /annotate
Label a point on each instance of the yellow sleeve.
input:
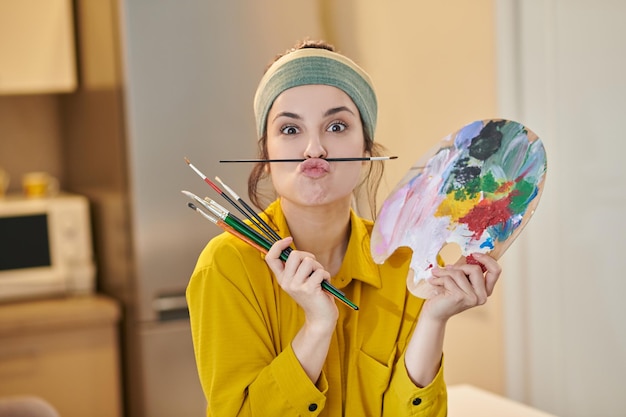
(242, 369)
(404, 398)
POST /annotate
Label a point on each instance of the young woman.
(268, 340)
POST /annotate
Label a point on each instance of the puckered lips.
(314, 167)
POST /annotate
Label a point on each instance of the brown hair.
(372, 176)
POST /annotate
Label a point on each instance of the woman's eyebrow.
(336, 110)
(328, 112)
(287, 114)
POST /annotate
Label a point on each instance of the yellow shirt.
(243, 323)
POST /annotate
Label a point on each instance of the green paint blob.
(521, 198)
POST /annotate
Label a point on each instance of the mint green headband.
(316, 66)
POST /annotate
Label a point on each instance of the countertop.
(470, 401)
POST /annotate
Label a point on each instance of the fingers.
(469, 279)
(457, 277)
(272, 257)
(461, 287)
(301, 268)
(301, 276)
(474, 275)
(493, 270)
(278, 247)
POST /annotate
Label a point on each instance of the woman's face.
(314, 122)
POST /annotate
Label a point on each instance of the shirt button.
(417, 401)
(312, 407)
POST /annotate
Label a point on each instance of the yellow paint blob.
(456, 209)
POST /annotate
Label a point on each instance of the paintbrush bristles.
(217, 212)
(196, 170)
(227, 188)
(202, 213)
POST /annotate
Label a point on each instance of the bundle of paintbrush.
(261, 236)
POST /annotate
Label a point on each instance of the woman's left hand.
(461, 287)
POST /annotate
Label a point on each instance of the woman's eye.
(289, 130)
(337, 127)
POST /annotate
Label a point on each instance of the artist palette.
(477, 189)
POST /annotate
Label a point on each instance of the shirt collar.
(357, 263)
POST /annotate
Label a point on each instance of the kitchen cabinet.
(37, 51)
(65, 351)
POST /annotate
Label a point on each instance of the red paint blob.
(487, 213)
(472, 261)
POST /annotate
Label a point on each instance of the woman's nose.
(314, 148)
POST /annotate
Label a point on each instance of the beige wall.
(434, 68)
(565, 333)
(30, 136)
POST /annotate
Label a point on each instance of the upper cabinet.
(37, 51)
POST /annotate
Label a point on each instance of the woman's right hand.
(301, 277)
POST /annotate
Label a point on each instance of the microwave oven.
(46, 247)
